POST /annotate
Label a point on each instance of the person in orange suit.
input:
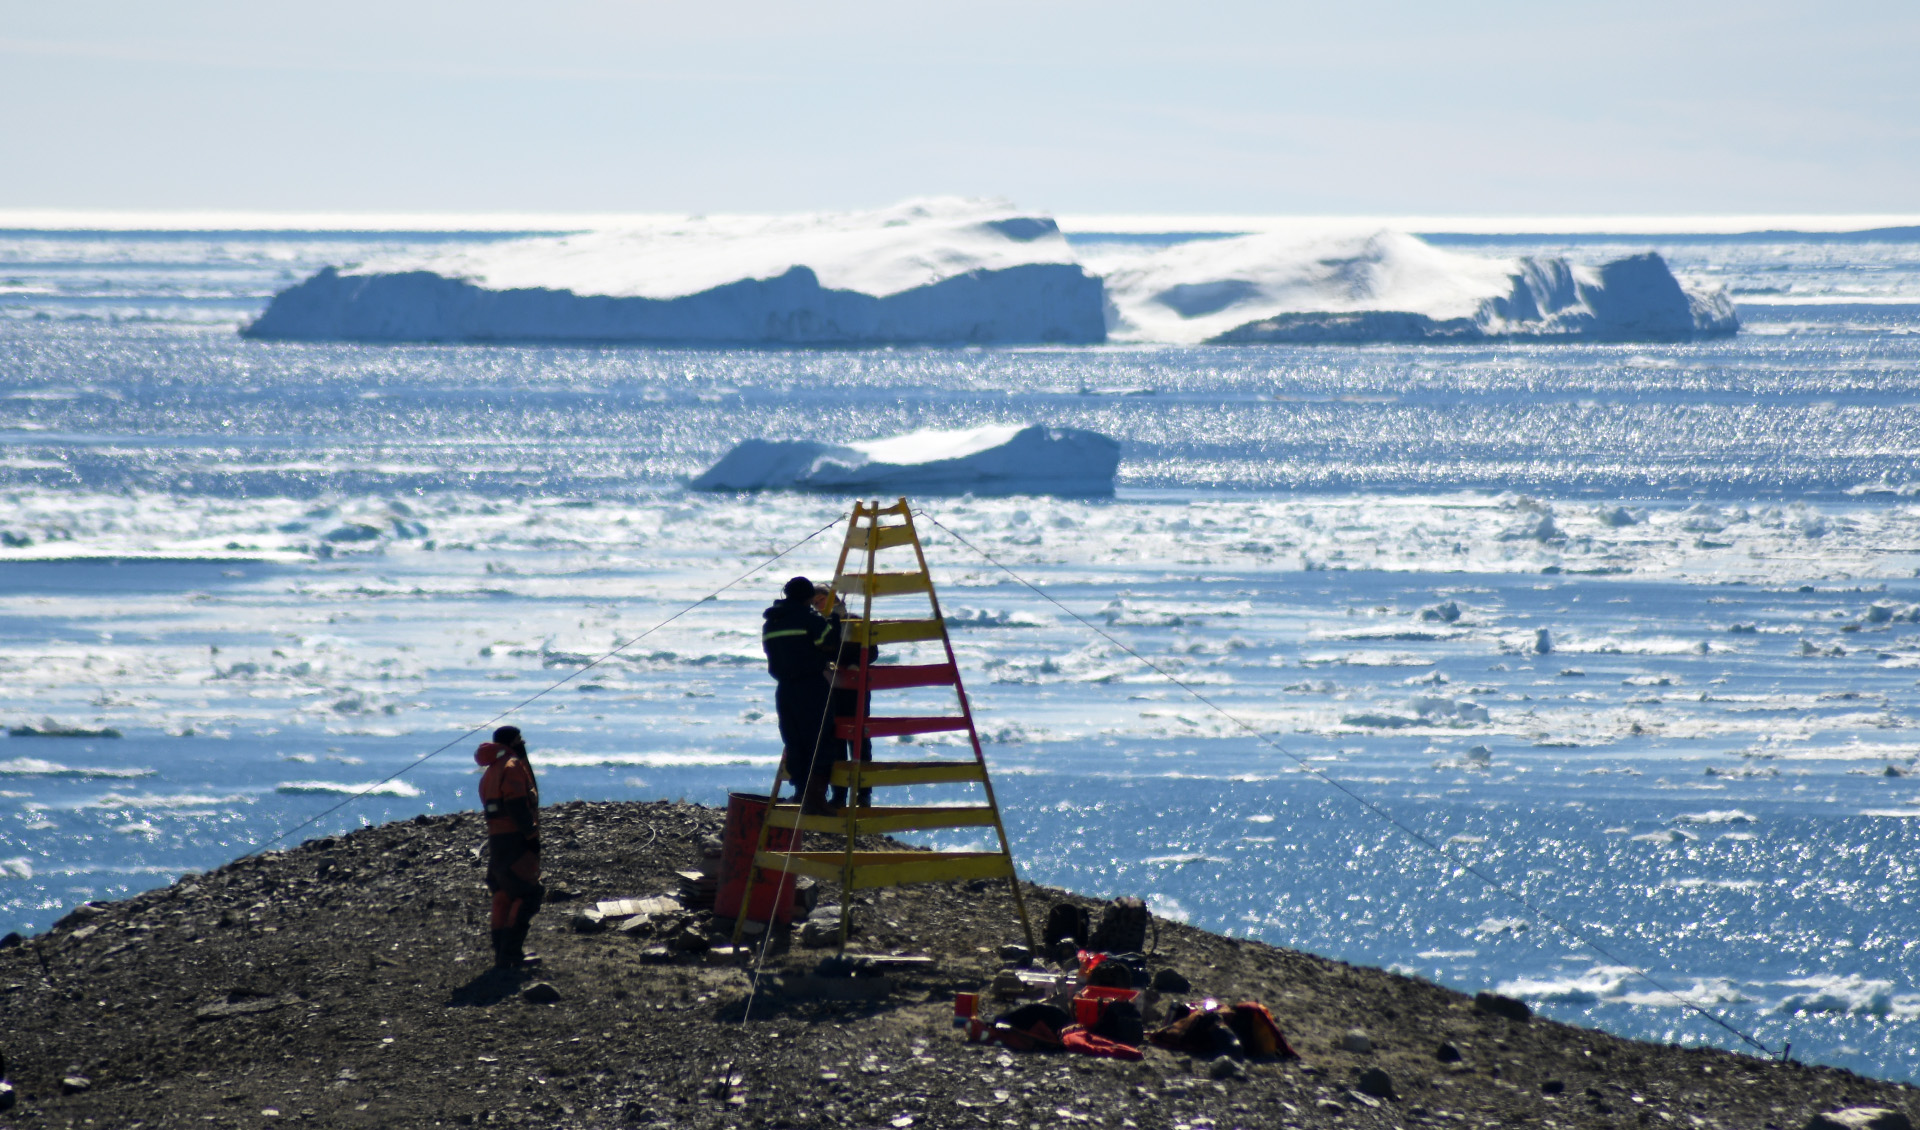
(510, 796)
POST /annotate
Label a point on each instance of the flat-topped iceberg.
(949, 271)
(997, 459)
(1388, 286)
(927, 271)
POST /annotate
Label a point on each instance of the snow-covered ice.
(950, 270)
(1361, 286)
(935, 270)
(993, 459)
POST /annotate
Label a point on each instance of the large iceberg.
(997, 459)
(927, 271)
(1388, 286)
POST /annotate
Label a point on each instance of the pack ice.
(1306, 286)
(926, 271)
(997, 459)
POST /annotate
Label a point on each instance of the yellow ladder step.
(896, 631)
(891, 868)
(883, 584)
(879, 537)
(876, 821)
(882, 774)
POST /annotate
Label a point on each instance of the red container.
(1094, 999)
(773, 896)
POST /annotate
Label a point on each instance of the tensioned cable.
(531, 699)
(1371, 806)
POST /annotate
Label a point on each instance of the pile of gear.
(1095, 997)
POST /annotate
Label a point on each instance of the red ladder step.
(899, 676)
(893, 727)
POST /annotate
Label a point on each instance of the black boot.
(517, 947)
(815, 802)
(503, 950)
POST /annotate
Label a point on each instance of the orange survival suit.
(511, 799)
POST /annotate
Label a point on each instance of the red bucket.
(772, 895)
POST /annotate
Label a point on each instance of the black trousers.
(806, 727)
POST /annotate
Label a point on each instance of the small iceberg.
(996, 459)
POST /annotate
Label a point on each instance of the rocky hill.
(345, 983)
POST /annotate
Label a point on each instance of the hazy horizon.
(1388, 108)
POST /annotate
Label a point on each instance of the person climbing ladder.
(801, 645)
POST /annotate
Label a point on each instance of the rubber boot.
(517, 946)
(815, 802)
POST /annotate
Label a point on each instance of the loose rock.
(1861, 1118)
(540, 992)
(1375, 1082)
(1447, 1053)
(75, 1084)
(1170, 980)
(1493, 1004)
(1356, 1041)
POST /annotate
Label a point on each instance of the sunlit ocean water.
(1352, 551)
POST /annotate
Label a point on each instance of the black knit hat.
(799, 588)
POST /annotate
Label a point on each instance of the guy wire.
(1372, 807)
(531, 699)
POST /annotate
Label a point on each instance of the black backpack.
(1066, 921)
(1123, 927)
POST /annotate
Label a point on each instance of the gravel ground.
(345, 983)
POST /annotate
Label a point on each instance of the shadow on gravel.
(806, 1008)
(490, 988)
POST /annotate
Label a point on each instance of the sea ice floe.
(38, 767)
(124, 801)
(348, 788)
(1729, 816)
(658, 759)
(1843, 994)
(1590, 987)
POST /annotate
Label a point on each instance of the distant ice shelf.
(926, 271)
(952, 271)
(1354, 287)
(997, 459)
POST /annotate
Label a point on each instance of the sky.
(1263, 108)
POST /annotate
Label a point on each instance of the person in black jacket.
(846, 702)
(801, 645)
